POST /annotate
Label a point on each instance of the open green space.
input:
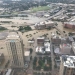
(40, 8)
(2, 28)
(44, 63)
(24, 28)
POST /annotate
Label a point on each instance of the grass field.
(40, 8)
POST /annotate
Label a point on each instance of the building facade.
(67, 65)
(73, 47)
(15, 50)
(70, 25)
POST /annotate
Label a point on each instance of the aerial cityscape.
(37, 37)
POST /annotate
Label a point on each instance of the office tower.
(15, 50)
(67, 65)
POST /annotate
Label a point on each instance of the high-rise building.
(15, 50)
(67, 65)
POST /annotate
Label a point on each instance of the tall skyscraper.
(15, 50)
(67, 65)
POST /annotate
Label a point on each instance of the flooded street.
(60, 26)
(22, 21)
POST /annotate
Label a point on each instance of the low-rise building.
(56, 40)
(49, 24)
(65, 49)
(47, 47)
(27, 56)
(40, 41)
(57, 51)
(40, 50)
(45, 24)
(63, 40)
(70, 39)
(70, 25)
(43, 49)
(40, 25)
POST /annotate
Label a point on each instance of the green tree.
(41, 63)
(31, 50)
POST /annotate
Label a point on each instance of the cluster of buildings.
(63, 45)
(11, 48)
(64, 48)
(45, 24)
(43, 46)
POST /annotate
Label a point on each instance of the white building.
(15, 50)
(44, 24)
(67, 65)
(40, 50)
(27, 55)
(9, 72)
(47, 47)
(43, 49)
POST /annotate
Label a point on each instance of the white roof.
(44, 23)
(40, 38)
(26, 53)
(47, 15)
(30, 41)
(70, 62)
(39, 49)
(9, 72)
(47, 49)
(13, 35)
(47, 44)
(57, 51)
(49, 22)
(71, 23)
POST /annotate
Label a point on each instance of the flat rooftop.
(71, 23)
(41, 38)
(8, 72)
(26, 53)
(49, 22)
(69, 61)
(44, 23)
(13, 35)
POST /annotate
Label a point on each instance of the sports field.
(40, 8)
